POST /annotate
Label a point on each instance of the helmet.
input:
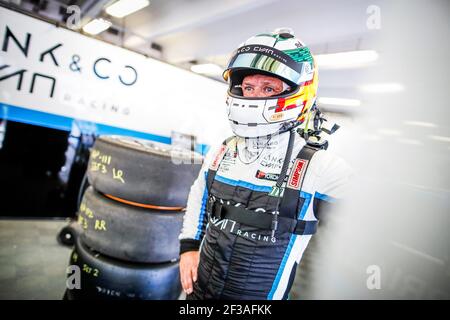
(278, 54)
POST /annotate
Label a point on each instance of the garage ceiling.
(206, 30)
(184, 32)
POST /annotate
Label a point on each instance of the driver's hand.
(188, 269)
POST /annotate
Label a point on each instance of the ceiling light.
(339, 102)
(207, 69)
(382, 88)
(96, 26)
(349, 59)
(135, 41)
(420, 124)
(413, 142)
(440, 138)
(123, 8)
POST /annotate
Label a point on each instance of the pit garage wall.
(51, 76)
(60, 89)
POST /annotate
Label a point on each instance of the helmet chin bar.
(242, 130)
(258, 117)
(245, 131)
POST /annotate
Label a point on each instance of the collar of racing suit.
(249, 149)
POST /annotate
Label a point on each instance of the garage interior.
(383, 79)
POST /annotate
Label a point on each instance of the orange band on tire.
(142, 205)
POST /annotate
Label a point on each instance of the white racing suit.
(229, 216)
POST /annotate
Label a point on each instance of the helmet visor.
(270, 60)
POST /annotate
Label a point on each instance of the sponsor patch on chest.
(215, 163)
(297, 174)
(272, 162)
(266, 175)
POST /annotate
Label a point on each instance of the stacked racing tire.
(130, 218)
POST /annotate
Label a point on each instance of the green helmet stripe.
(300, 54)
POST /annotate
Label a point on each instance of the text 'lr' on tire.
(143, 171)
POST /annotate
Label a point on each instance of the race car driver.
(259, 196)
